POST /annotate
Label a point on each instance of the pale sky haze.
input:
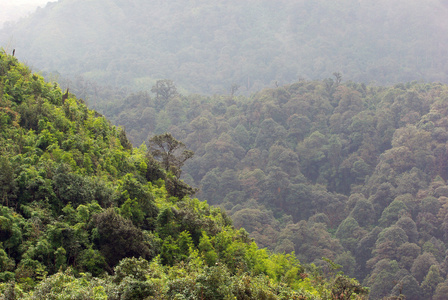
(12, 10)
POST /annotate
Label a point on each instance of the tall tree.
(171, 152)
(164, 90)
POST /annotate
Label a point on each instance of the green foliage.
(319, 168)
(92, 261)
(80, 220)
(117, 237)
(392, 213)
(171, 153)
(343, 288)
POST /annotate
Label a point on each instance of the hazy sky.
(11, 10)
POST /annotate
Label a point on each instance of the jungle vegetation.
(84, 215)
(318, 127)
(353, 172)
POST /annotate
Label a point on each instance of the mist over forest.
(12, 11)
(319, 129)
(208, 46)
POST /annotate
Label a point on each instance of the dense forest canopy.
(353, 172)
(83, 215)
(335, 159)
(208, 46)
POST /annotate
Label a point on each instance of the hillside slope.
(86, 216)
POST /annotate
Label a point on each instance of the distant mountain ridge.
(208, 46)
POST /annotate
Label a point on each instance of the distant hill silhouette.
(208, 46)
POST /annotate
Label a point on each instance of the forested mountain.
(207, 46)
(318, 165)
(84, 215)
(327, 168)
